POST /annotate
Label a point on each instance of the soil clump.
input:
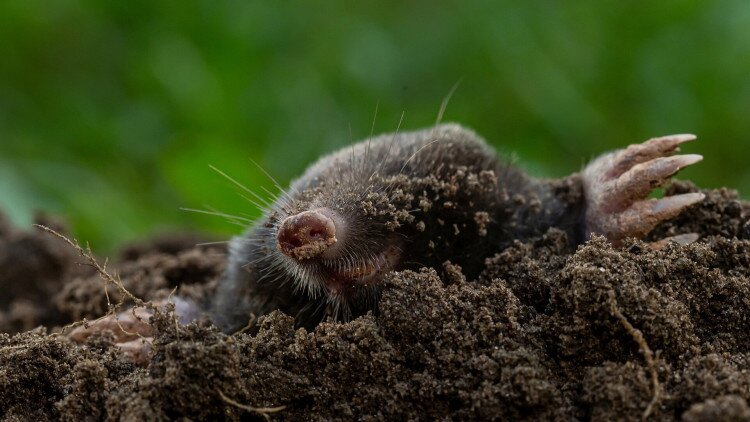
(545, 332)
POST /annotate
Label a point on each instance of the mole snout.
(307, 234)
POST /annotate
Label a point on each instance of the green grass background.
(111, 111)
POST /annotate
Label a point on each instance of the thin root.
(175, 319)
(262, 411)
(248, 326)
(645, 350)
(112, 309)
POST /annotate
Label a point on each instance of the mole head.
(330, 245)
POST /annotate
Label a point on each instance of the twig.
(174, 312)
(262, 411)
(88, 255)
(645, 350)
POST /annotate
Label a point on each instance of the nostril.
(290, 241)
(317, 234)
(306, 235)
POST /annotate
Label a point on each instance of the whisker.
(385, 159)
(257, 205)
(214, 209)
(374, 118)
(351, 149)
(415, 154)
(259, 260)
(320, 305)
(444, 104)
(275, 182)
(441, 112)
(220, 242)
(390, 146)
(266, 190)
(365, 158)
(238, 184)
(217, 214)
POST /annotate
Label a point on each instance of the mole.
(418, 199)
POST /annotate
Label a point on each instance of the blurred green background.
(111, 111)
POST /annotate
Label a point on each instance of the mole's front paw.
(132, 328)
(617, 184)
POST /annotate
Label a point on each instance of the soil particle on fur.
(545, 332)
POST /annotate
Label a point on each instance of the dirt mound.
(545, 332)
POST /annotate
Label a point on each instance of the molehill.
(545, 332)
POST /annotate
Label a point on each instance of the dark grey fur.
(426, 191)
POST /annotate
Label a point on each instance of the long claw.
(653, 148)
(125, 326)
(617, 184)
(669, 143)
(637, 182)
(643, 216)
(137, 351)
(132, 329)
(680, 239)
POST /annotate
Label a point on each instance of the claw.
(640, 153)
(137, 351)
(125, 326)
(617, 184)
(132, 329)
(134, 323)
(680, 239)
(640, 180)
(669, 143)
(643, 216)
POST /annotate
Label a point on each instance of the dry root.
(645, 350)
(262, 411)
(101, 269)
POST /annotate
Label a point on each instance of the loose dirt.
(546, 332)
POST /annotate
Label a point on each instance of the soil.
(546, 332)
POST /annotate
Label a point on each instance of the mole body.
(419, 199)
(412, 200)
